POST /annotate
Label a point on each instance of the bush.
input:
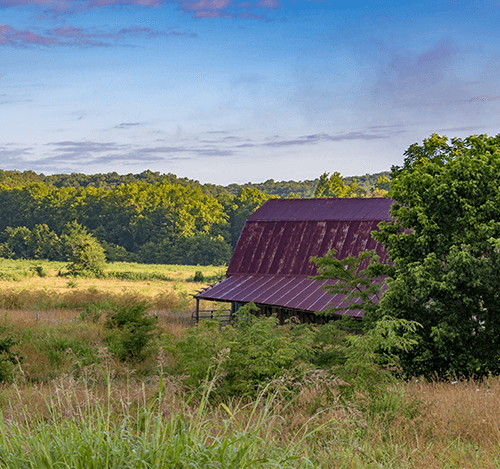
(39, 270)
(85, 254)
(130, 330)
(255, 349)
(198, 276)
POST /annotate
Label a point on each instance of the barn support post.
(197, 313)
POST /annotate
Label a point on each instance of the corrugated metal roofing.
(323, 209)
(286, 247)
(287, 292)
(271, 262)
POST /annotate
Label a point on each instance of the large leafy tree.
(444, 246)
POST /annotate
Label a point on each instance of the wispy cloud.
(79, 37)
(196, 8)
(22, 37)
(467, 128)
(11, 156)
(315, 139)
(477, 99)
(68, 156)
(127, 125)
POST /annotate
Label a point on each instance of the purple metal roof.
(287, 292)
(286, 247)
(323, 209)
(271, 262)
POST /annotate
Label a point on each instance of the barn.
(271, 263)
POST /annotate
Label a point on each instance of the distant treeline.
(147, 217)
(110, 181)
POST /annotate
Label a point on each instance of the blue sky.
(235, 91)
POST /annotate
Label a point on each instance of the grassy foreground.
(74, 405)
(70, 403)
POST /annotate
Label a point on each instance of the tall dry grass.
(418, 424)
(166, 296)
(453, 425)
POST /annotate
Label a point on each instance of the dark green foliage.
(116, 253)
(131, 330)
(251, 352)
(445, 250)
(38, 243)
(8, 358)
(200, 250)
(196, 250)
(363, 357)
(39, 269)
(198, 276)
(369, 181)
(17, 243)
(84, 252)
(370, 360)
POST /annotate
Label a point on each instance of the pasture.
(67, 401)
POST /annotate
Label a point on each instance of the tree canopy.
(146, 217)
(335, 186)
(444, 246)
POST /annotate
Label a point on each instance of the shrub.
(130, 330)
(258, 350)
(85, 253)
(39, 270)
(198, 276)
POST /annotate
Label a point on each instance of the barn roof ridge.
(323, 209)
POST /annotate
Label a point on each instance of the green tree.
(85, 254)
(444, 246)
(335, 186)
(46, 244)
(360, 280)
(17, 243)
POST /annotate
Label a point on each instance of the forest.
(148, 217)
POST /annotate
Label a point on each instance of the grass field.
(72, 404)
(167, 287)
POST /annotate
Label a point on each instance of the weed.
(39, 270)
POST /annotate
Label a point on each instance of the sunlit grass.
(168, 288)
(20, 269)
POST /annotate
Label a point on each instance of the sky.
(236, 91)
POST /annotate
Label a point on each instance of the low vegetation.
(114, 381)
